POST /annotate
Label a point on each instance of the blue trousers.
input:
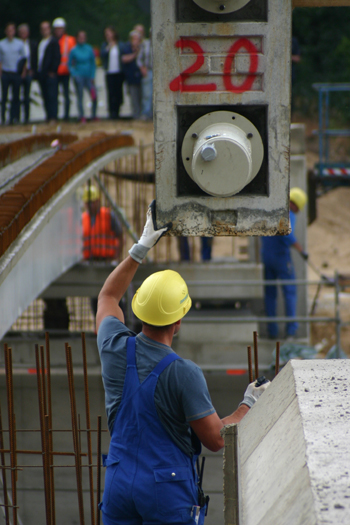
(10, 79)
(149, 480)
(280, 268)
(82, 83)
(147, 95)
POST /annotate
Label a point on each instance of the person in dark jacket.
(49, 58)
(132, 71)
(31, 63)
(111, 60)
(11, 66)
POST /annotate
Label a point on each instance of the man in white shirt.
(11, 67)
(49, 57)
(30, 51)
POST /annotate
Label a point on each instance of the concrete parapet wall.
(293, 450)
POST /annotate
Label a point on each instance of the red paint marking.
(179, 83)
(236, 372)
(253, 66)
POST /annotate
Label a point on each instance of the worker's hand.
(150, 235)
(253, 392)
(304, 255)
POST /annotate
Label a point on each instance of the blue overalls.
(278, 264)
(149, 480)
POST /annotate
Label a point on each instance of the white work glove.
(253, 392)
(150, 235)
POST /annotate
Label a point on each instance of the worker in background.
(66, 43)
(206, 248)
(158, 406)
(278, 264)
(102, 231)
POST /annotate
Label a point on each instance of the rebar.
(250, 367)
(98, 483)
(75, 431)
(50, 444)
(40, 366)
(88, 428)
(12, 430)
(3, 471)
(277, 365)
(256, 363)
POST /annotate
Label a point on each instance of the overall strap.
(131, 351)
(157, 370)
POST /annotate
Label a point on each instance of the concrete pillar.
(293, 450)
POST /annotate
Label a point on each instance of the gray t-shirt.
(181, 394)
(11, 52)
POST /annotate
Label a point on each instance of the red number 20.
(179, 83)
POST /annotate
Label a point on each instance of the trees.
(90, 15)
(323, 35)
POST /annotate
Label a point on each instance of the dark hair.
(153, 327)
(114, 31)
(10, 24)
(81, 31)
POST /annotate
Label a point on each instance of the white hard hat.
(59, 22)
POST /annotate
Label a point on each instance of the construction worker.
(66, 43)
(101, 229)
(278, 264)
(158, 405)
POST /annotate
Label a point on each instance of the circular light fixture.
(222, 152)
(221, 6)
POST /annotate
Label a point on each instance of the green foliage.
(325, 50)
(91, 15)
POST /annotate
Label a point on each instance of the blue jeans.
(280, 268)
(147, 95)
(87, 83)
(10, 79)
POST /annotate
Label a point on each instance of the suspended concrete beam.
(288, 460)
(49, 244)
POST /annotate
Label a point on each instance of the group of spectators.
(58, 56)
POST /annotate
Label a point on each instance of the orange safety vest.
(99, 240)
(66, 45)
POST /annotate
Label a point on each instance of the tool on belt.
(202, 499)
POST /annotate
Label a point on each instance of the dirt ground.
(328, 236)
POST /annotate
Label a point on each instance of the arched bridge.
(40, 210)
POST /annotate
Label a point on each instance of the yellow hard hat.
(162, 299)
(299, 197)
(91, 193)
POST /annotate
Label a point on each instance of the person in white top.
(30, 50)
(111, 60)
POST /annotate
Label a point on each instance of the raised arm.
(118, 281)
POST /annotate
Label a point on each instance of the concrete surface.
(293, 453)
